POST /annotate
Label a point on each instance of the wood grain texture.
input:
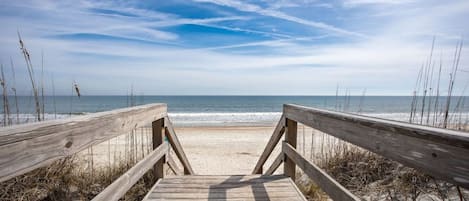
(173, 165)
(177, 147)
(29, 146)
(221, 187)
(319, 176)
(273, 141)
(441, 153)
(121, 185)
(151, 190)
(277, 162)
(289, 167)
(157, 137)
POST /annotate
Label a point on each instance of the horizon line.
(208, 95)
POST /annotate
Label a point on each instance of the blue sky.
(231, 47)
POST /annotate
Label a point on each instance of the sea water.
(234, 110)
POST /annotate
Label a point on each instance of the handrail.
(156, 159)
(333, 188)
(273, 141)
(29, 146)
(26, 147)
(441, 153)
(121, 185)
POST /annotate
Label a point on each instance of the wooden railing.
(24, 148)
(441, 153)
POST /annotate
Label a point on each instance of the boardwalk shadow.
(258, 190)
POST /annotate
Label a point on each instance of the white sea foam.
(233, 118)
(225, 119)
(268, 118)
(251, 118)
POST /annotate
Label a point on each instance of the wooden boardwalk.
(441, 153)
(233, 187)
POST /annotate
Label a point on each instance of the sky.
(232, 47)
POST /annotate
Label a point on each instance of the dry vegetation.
(80, 177)
(373, 177)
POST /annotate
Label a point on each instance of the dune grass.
(77, 178)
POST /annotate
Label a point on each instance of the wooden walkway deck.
(441, 153)
(233, 187)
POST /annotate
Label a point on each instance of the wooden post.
(158, 138)
(290, 138)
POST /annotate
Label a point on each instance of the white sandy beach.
(224, 150)
(210, 150)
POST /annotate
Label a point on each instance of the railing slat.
(121, 185)
(173, 165)
(273, 141)
(26, 147)
(277, 162)
(319, 176)
(441, 153)
(176, 145)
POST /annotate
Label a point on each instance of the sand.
(224, 150)
(210, 150)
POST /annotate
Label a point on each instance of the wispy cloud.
(281, 43)
(376, 2)
(246, 7)
(130, 23)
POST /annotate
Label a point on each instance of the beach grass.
(77, 178)
(366, 174)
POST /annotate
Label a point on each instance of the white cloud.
(382, 64)
(385, 63)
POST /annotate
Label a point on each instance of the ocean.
(233, 110)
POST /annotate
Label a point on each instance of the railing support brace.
(158, 138)
(290, 138)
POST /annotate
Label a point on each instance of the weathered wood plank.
(121, 185)
(218, 181)
(289, 167)
(441, 153)
(231, 199)
(300, 194)
(219, 186)
(273, 141)
(277, 162)
(237, 176)
(147, 196)
(177, 147)
(222, 187)
(173, 165)
(319, 176)
(157, 128)
(225, 178)
(29, 146)
(239, 190)
(208, 181)
(225, 195)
